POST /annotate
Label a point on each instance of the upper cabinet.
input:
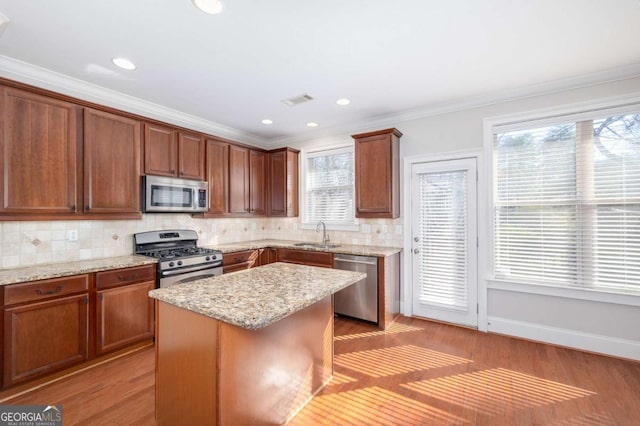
(238, 180)
(257, 184)
(39, 154)
(111, 155)
(170, 152)
(377, 177)
(283, 182)
(218, 177)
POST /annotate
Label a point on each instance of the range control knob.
(171, 264)
(207, 258)
(179, 262)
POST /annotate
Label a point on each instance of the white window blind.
(443, 235)
(330, 186)
(567, 204)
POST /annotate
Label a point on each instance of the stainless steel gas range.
(180, 260)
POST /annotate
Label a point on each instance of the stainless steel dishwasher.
(359, 300)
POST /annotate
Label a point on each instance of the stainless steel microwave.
(172, 195)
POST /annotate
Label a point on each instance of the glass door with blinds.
(444, 241)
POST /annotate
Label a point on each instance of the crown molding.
(506, 95)
(24, 72)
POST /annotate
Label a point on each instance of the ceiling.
(229, 71)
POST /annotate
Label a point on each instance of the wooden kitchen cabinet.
(39, 154)
(218, 177)
(46, 327)
(124, 311)
(377, 179)
(268, 255)
(240, 260)
(172, 152)
(238, 180)
(257, 184)
(306, 257)
(111, 155)
(283, 182)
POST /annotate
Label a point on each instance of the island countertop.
(257, 297)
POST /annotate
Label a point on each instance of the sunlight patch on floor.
(396, 360)
(497, 391)
(371, 406)
(393, 328)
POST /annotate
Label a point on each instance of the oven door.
(185, 275)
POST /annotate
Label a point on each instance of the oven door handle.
(187, 270)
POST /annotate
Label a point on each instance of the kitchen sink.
(316, 245)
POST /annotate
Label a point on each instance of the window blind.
(443, 239)
(330, 186)
(567, 204)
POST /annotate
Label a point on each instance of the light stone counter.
(257, 297)
(56, 270)
(290, 244)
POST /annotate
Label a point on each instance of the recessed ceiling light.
(343, 101)
(211, 7)
(124, 63)
(266, 121)
(312, 124)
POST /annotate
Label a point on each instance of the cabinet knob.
(173, 171)
(181, 172)
(74, 208)
(87, 208)
(101, 297)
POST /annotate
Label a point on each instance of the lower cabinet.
(125, 315)
(50, 325)
(240, 260)
(43, 336)
(306, 257)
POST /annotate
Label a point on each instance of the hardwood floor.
(415, 373)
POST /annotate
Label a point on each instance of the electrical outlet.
(72, 235)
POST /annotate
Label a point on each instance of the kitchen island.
(250, 347)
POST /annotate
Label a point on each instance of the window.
(567, 203)
(329, 191)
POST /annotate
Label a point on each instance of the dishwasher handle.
(359, 262)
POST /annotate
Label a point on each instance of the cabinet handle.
(86, 300)
(173, 171)
(181, 172)
(87, 208)
(127, 277)
(74, 208)
(101, 297)
(41, 292)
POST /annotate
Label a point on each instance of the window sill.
(566, 292)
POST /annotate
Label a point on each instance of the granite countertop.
(291, 244)
(56, 270)
(257, 297)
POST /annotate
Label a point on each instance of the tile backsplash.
(30, 243)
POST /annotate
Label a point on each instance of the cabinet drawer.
(306, 257)
(39, 290)
(240, 257)
(125, 276)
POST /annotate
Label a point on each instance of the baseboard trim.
(612, 346)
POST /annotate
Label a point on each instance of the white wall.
(607, 327)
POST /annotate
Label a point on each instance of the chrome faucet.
(325, 237)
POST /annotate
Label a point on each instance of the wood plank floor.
(415, 373)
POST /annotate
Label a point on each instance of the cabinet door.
(43, 337)
(125, 315)
(238, 180)
(283, 183)
(191, 148)
(111, 163)
(218, 177)
(239, 260)
(306, 257)
(257, 185)
(38, 153)
(160, 150)
(377, 174)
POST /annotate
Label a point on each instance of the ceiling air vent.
(297, 100)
